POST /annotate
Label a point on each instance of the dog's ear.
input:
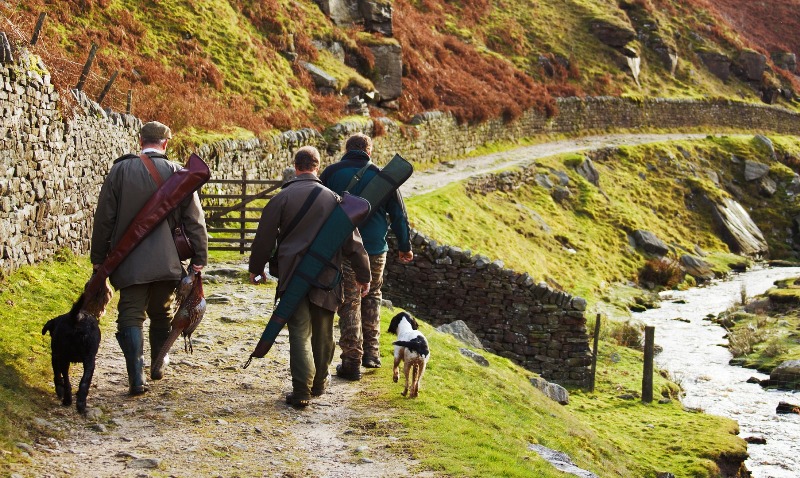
(414, 324)
(394, 323)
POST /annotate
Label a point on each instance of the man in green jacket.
(359, 318)
(147, 278)
(296, 214)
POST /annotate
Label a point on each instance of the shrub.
(627, 334)
(662, 272)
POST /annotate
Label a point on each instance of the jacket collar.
(302, 177)
(356, 155)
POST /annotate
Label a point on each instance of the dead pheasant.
(191, 308)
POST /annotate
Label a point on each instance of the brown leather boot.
(348, 371)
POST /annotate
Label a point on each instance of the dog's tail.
(417, 344)
(49, 326)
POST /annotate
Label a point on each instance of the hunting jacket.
(279, 212)
(392, 213)
(126, 188)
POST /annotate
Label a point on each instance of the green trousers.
(311, 347)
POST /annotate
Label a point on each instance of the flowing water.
(691, 353)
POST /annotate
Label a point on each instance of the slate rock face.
(554, 392)
(786, 375)
(388, 70)
(589, 172)
(738, 229)
(460, 330)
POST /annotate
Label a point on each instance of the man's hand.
(363, 288)
(257, 278)
(405, 257)
(197, 267)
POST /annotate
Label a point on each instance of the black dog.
(75, 337)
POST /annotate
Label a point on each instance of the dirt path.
(451, 171)
(208, 417)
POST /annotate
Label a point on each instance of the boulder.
(786, 375)
(561, 461)
(589, 172)
(322, 80)
(377, 16)
(717, 63)
(785, 59)
(754, 170)
(341, 12)
(554, 392)
(766, 143)
(696, 267)
(739, 231)
(460, 330)
(649, 242)
(767, 187)
(785, 407)
(388, 70)
(476, 357)
(750, 65)
(612, 32)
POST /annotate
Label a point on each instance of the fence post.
(130, 100)
(647, 378)
(5, 50)
(242, 213)
(38, 28)
(594, 351)
(87, 67)
(107, 87)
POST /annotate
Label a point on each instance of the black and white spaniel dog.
(411, 348)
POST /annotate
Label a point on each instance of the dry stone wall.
(541, 328)
(55, 154)
(51, 166)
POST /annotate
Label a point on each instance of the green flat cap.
(153, 132)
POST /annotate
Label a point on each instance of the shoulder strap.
(357, 177)
(151, 168)
(303, 209)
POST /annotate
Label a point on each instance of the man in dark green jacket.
(359, 318)
(147, 278)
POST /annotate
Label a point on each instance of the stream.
(692, 355)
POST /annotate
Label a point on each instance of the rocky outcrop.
(561, 461)
(375, 15)
(324, 82)
(650, 243)
(785, 59)
(738, 229)
(754, 170)
(717, 63)
(388, 70)
(612, 32)
(750, 65)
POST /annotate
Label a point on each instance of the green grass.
(31, 296)
(582, 243)
(477, 421)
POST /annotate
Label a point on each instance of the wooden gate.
(225, 208)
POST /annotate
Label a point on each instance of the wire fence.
(24, 32)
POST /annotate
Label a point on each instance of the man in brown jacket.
(147, 278)
(292, 214)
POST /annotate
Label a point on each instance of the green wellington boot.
(131, 341)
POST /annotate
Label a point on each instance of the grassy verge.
(31, 296)
(471, 420)
(764, 334)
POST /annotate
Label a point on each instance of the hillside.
(241, 67)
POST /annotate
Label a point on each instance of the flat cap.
(153, 132)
